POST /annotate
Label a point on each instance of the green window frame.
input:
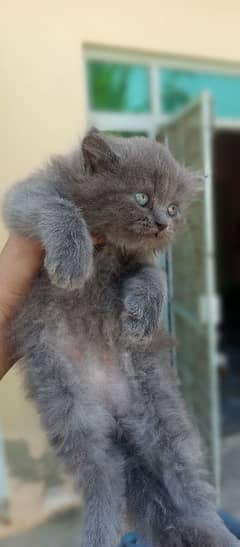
(136, 94)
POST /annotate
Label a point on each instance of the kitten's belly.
(102, 372)
(109, 383)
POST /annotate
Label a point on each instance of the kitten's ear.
(98, 153)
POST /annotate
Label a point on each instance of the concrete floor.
(63, 531)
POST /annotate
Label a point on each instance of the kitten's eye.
(142, 199)
(172, 210)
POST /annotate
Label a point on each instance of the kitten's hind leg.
(161, 524)
(80, 433)
(149, 507)
(105, 503)
(167, 488)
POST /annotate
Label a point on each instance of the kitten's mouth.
(157, 238)
(98, 240)
(151, 237)
(157, 234)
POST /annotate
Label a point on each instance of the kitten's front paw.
(140, 317)
(69, 258)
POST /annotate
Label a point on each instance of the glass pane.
(178, 87)
(193, 356)
(118, 87)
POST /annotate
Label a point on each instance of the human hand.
(20, 261)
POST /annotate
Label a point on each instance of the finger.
(20, 261)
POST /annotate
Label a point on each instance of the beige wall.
(42, 102)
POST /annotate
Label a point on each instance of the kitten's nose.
(160, 217)
(161, 225)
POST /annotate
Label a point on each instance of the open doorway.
(227, 208)
(226, 163)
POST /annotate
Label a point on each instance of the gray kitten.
(95, 362)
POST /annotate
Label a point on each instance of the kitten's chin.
(140, 243)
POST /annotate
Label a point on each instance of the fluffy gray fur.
(95, 361)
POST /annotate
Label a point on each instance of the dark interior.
(227, 215)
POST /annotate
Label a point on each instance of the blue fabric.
(232, 523)
(132, 539)
(128, 539)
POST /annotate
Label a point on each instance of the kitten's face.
(138, 192)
